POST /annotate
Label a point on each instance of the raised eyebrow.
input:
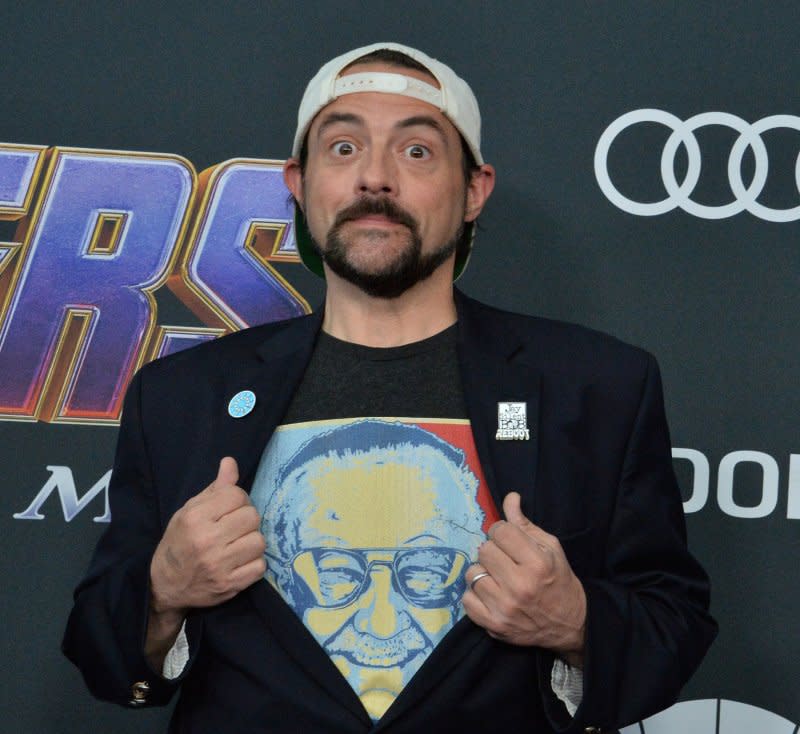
(334, 118)
(426, 121)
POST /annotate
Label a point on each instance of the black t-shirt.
(373, 505)
(346, 380)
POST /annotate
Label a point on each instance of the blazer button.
(139, 691)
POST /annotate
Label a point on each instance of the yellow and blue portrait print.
(370, 525)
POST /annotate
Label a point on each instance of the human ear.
(293, 178)
(480, 187)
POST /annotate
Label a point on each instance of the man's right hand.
(210, 551)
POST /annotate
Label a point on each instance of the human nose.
(379, 614)
(377, 173)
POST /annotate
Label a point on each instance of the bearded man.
(306, 530)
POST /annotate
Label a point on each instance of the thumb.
(228, 472)
(512, 509)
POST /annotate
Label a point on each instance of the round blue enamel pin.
(241, 404)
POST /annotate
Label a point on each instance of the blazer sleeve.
(648, 625)
(106, 629)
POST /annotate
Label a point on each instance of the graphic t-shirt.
(372, 517)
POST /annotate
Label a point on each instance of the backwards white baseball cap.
(453, 98)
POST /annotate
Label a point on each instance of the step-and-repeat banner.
(648, 159)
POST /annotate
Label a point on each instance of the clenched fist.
(526, 592)
(210, 551)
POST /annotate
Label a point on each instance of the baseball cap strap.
(388, 83)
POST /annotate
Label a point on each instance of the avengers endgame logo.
(98, 233)
(679, 195)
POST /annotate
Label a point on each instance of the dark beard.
(410, 267)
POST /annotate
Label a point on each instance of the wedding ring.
(478, 577)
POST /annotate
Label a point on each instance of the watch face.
(713, 716)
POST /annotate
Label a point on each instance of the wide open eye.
(418, 152)
(343, 148)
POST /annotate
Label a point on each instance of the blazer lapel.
(495, 367)
(292, 634)
(272, 375)
(458, 642)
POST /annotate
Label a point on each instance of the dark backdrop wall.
(593, 114)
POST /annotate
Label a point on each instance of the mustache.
(375, 652)
(381, 206)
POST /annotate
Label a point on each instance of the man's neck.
(422, 311)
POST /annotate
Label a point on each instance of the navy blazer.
(596, 472)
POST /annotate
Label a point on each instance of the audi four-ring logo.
(679, 194)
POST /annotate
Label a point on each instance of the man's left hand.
(531, 596)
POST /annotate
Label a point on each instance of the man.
(324, 604)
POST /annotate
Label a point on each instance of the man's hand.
(210, 551)
(531, 596)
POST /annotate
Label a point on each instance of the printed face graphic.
(380, 540)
